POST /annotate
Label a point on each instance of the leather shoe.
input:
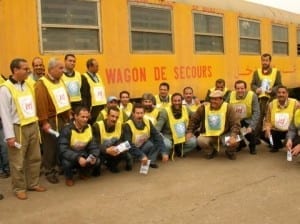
(128, 167)
(1, 196)
(21, 195)
(231, 155)
(69, 182)
(252, 151)
(52, 179)
(211, 155)
(38, 188)
(153, 165)
(4, 175)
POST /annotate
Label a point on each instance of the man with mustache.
(265, 82)
(279, 115)
(172, 123)
(145, 140)
(108, 134)
(218, 123)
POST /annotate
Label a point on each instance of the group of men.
(80, 128)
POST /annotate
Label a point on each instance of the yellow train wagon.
(141, 43)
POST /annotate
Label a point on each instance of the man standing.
(53, 110)
(108, 134)
(112, 101)
(279, 116)
(77, 147)
(4, 166)
(189, 100)
(246, 107)
(125, 104)
(172, 123)
(218, 124)
(145, 140)
(38, 71)
(72, 80)
(163, 98)
(21, 131)
(219, 85)
(151, 112)
(93, 93)
(264, 83)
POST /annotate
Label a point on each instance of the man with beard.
(151, 112)
(218, 123)
(145, 140)
(279, 115)
(72, 80)
(264, 83)
(172, 123)
(245, 104)
(108, 134)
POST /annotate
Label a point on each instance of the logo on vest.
(214, 122)
(180, 129)
(73, 88)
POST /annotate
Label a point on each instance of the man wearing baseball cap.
(218, 124)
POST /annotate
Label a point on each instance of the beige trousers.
(25, 162)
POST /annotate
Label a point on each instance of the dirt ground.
(264, 188)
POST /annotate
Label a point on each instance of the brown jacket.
(44, 105)
(232, 122)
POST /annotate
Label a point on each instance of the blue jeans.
(187, 146)
(150, 151)
(4, 166)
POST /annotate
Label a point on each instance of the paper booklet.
(145, 168)
(124, 146)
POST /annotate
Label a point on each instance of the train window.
(280, 39)
(71, 25)
(249, 36)
(298, 41)
(151, 29)
(208, 31)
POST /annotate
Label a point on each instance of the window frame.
(208, 34)
(247, 37)
(277, 41)
(67, 26)
(131, 30)
(298, 40)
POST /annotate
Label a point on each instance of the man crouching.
(77, 146)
